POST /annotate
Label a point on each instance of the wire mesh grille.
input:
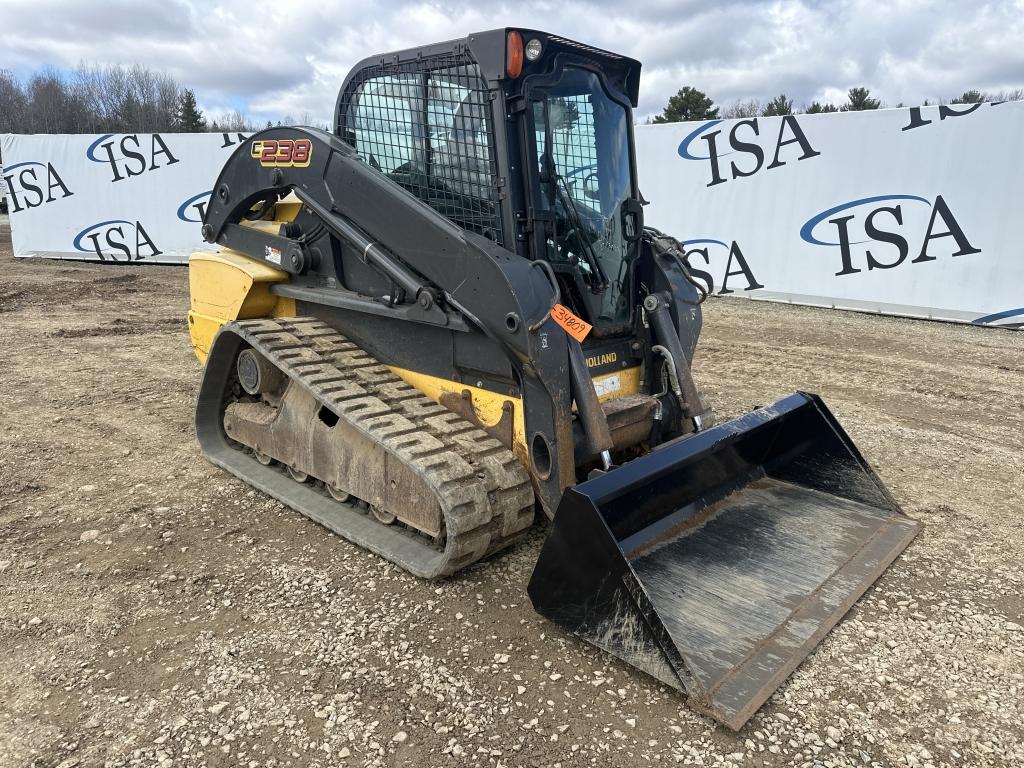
(426, 125)
(574, 146)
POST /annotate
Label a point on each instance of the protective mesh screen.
(426, 125)
(574, 145)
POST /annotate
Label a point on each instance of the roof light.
(514, 54)
(533, 49)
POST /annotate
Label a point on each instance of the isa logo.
(31, 184)
(746, 147)
(193, 210)
(881, 232)
(1011, 318)
(117, 240)
(945, 112)
(715, 253)
(129, 155)
(229, 140)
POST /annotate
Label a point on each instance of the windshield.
(582, 138)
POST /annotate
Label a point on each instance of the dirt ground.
(155, 611)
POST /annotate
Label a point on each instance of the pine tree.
(778, 107)
(817, 108)
(190, 117)
(860, 100)
(564, 114)
(969, 97)
(688, 104)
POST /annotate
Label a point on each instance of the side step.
(718, 562)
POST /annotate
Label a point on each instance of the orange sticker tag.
(574, 326)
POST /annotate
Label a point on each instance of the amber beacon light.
(514, 54)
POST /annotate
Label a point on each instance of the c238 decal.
(282, 153)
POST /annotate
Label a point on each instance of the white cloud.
(275, 59)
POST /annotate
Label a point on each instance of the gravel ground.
(156, 611)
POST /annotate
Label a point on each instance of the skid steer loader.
(447, 313)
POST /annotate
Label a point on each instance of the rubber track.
(484, 492)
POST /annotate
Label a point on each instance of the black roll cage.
(619, 77)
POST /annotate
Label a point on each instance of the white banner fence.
(115, 197)
(902, 211)
(914, 211)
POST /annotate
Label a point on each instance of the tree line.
(136, 99)
(112, 99)
(692, 104)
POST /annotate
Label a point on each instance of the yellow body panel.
(619, 384)
(287, 209)
(269, 227)
(227, 286)
(487, 406)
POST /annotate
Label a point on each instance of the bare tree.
(51, 107)
(233, 122)
(13, 103)
(740, 108)
(1017, 94)
(89, 99)
(88, 85)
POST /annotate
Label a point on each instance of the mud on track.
(154, 610)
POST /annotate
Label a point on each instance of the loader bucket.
(717, 562)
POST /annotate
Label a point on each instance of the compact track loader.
(448, 313)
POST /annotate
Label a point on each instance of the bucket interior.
(740, 547)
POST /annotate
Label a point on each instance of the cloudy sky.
(288, 57)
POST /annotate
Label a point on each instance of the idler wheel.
(255, 374)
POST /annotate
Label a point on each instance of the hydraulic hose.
(678, 252)
(657, 307)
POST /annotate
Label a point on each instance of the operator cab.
(519, 136)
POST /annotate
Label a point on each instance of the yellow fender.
(226, 286)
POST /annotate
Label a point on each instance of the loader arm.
(430, 272)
